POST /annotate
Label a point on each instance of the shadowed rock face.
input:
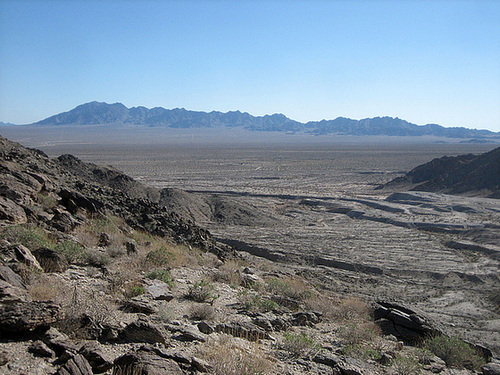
(464, 174)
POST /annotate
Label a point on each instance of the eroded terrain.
(313, 208)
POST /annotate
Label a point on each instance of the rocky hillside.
(117, 113)
(465, 174)
(99, 276)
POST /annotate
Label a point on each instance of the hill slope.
(103, 113)
(464, 174)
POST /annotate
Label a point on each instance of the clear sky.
(424, 61)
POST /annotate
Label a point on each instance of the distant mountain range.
(117, 113)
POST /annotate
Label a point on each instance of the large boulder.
(51, 260)
(20, 317)
(404, 323)
(12, 212)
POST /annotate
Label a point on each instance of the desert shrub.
(72, 251)
(96, 258)
(299, 345)
(362, 351)
(291, 287)
(351, 309)
(133, 290)
(162, 275)
(202, 291)
(160, 257)
(30, 236)
(455, 352)
(403, 365)
(254, 302)
(43, 288)
(202, 312)
(166, 312)
(229, 273)
(46, 200)
(358, 333)
(227, 356)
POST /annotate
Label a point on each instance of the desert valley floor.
(313, 207)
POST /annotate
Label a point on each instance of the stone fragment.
(145, 361)
(491, 369)
(142, 330)
(11, 212)
(205, 328)
(159, 290)
(26, 316)
(186, 333)
(200, 365)
(305, 318)
(40, 349)
(9, 276)
(51, 260)
(77, 365)
(131, 248)
(98, 360)
(21, 254)
(10, 293)
(141, 304)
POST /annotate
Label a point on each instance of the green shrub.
(160, 257)
(455, 352)
(402, 365)
(299, 345)
(254, 302)
(134, 291)
(30, 236)
(162, 275)
(72, 251)
(202, 291)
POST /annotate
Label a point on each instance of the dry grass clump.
(228, 356)
(44, 288)
(356, 333)
(202, 312)
(292, 287)
(229, 273)
(404, 365)
(202, 291)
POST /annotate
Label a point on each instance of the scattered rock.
(159, 290)
(141, 304)
(143, 330)
(205, 328)
(186, 333)
(131, 248)
(145, 361)
(21, 254)
(248, 331)
(304, 318)
(9, 276)
(200, 365)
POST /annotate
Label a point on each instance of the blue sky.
(423, 61)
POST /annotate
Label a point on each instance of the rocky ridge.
(98, 275)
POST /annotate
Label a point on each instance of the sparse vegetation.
(404, 365)
(299, 345)
(252, 301)
(202, 291)
(229, 356)
(455, 352)
(162, 275)
(202, 312)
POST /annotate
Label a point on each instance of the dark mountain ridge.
(464, 174)
(102, 113)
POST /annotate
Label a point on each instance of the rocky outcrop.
(403, 323)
